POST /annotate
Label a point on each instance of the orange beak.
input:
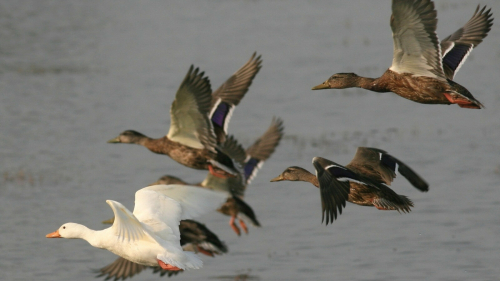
(54, 234)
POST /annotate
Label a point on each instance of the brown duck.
(422, 69)
(199, 121)
(364, 181)
(195, 237)
(252, 160)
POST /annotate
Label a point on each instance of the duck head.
(293, 173)
(339, 81)
(68, 230)
(128, 136)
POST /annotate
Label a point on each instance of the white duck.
(150, 235)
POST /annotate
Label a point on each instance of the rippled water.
(74, 74)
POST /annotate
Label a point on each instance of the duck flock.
(160, 233)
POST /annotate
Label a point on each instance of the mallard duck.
(195, 237)
(252, 160)
(364, 181)
(150, 235)
(199, 121)
(422, 70)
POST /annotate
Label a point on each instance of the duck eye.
(64, 227)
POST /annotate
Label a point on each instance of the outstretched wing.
(121, 268)
(189, 123)
(333, 187)
(456, 48)
(127, 226)
(416, 46)
(262, 149)
(229, 95)
(161, 207)
(384, 166)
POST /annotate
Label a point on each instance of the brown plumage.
(199, 119)
(364, 181)
(251, 159)
(422, 69)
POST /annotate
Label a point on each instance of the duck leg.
(461, 101)
(233, 225)
(205, 252)
(168, 266)
(244, 226)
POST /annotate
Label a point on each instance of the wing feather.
(334, 193)
(230, 93)
(262, 149)
(416, 46)
(190, 124)
(385, 166)
(126, 225)
(457, 47)
(161, 207)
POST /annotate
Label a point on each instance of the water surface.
(74, 74)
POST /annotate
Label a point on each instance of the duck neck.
(159, 146)
(368, 84)
(308, 177)
(94, 237)
(144, 141)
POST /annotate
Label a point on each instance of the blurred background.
(74, 74)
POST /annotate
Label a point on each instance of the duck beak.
(115, 140)
(54, 234)
(278, 178)
(321, 86)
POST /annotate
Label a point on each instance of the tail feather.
(402, 204)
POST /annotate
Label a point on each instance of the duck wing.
(245, 211)
(262, 149)
(189, 121)
(191, 232)
(380, 166)
(229, 95)
(195, 233)
(121, 268)
(416, 46)
(126, 225)
(161, 207)
(456, 48)
(333, 187)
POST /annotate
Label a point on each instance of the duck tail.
(194, 262)
(462, 97)
(400, 204)
(246, 212)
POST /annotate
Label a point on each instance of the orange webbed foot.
(244, 226)
(460, 101)
(233, 226)
(168, 267)
(205, 252)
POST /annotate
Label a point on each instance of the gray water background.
(74, 74)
